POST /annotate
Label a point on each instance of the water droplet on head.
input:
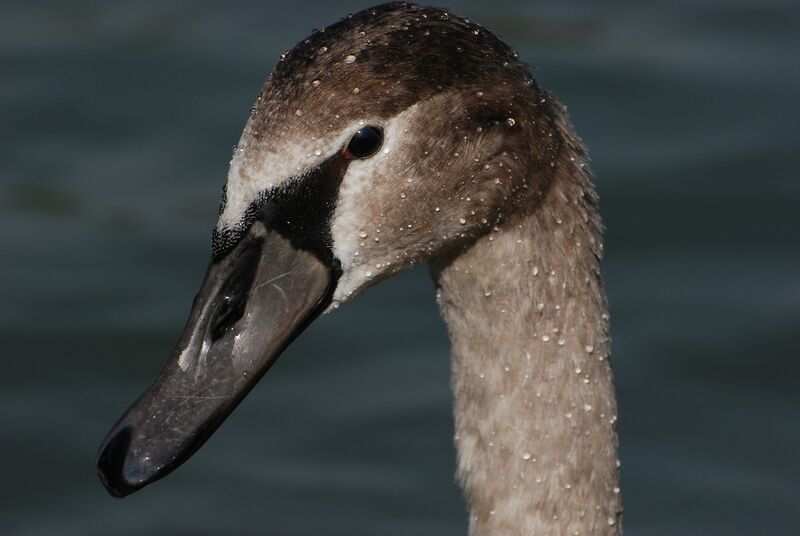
(298, 113)
(315, 83)
(350, 58)
(511, 121)
(462, 221)
(527, 456)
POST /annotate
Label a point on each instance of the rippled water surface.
(118, 120)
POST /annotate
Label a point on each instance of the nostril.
(111, 461)
(233, 295)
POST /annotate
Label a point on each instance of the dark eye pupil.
(365, 142)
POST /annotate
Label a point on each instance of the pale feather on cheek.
(401, 205)
(355, 223)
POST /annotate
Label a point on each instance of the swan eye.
(364, 143)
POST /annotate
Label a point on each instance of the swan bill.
(253, 302)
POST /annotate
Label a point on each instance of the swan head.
(398, 134)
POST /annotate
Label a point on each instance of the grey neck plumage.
(535, 410)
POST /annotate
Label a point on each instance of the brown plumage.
(479, 174)
(487, 181)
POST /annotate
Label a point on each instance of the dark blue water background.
(116, 126)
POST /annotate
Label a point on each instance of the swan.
(405, 134)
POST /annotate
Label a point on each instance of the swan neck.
(535, 412)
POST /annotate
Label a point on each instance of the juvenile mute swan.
(400, 135)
